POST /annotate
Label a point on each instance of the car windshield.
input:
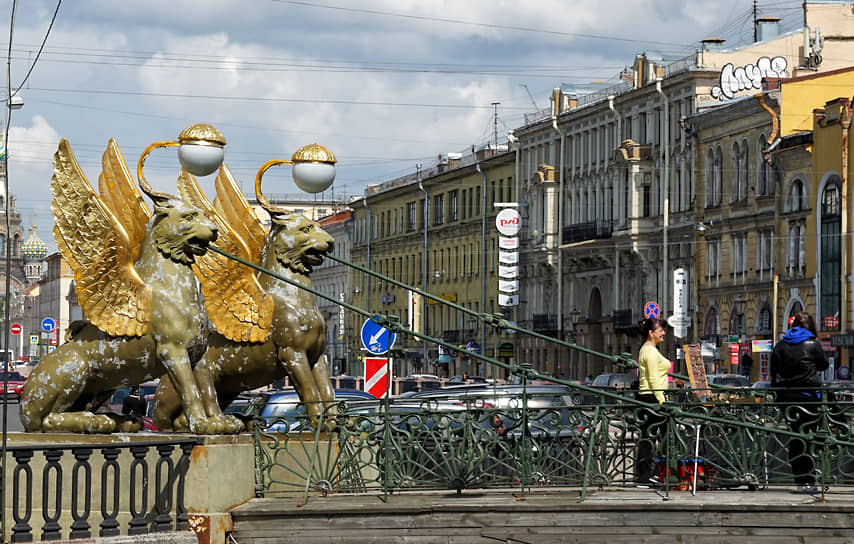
(732, 381)
(13, 376)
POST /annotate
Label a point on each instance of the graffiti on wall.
(734, 80)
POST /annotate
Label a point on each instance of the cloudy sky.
(385, 84)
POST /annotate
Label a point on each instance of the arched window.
(736, 321)
(710, 177)
(796, 307)
(2, 246)
(744, 175)
(763, 321)
(762, 167)
(718, 176)
(830, 258)
(710, 327)
(795, 199)
(735, 174)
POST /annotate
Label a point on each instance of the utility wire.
(472, 23)
(41, 47)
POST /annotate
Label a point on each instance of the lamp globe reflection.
(313, 168)
(201, 150)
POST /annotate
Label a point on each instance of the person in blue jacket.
(796, 362)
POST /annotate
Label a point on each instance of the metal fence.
(739, 438)
(148, 498)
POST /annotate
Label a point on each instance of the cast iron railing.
(95, 489)
(433, 446)
(530, 439)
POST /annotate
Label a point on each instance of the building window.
(411, 216)
(796, 251)
(763, 170)
(744, 176)
(735, 174)
(830, 257)
(710, 327)
(713, 260)
(477, 200)
(763, 321)
(795, 200)
(646, 200)
(765, 253)
(739, 254)
(438, 209)
(453, 205)
(736, 321)
(710, 177)
(717, 177)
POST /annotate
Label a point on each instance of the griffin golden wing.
(236, 304)
(98, 248)
(120, 194)
(234, 207)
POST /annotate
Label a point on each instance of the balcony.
(591, 230)
(624, 322)
(545, 324)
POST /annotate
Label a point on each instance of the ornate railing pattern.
(741, 438)
(94, 489)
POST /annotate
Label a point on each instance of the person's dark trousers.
(652, 428)
(800, 408)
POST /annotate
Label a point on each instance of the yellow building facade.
(756, 246)
(450, 252)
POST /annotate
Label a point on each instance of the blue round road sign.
(651, 310)
(376, 338)
(48, 324)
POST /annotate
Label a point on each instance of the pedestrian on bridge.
(653, 368)
(796, 362)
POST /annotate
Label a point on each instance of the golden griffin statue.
(238, 359)
(138, 290)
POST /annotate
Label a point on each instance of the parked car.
(728, 380)
(615, 382)
(148, 418)
(15, 385)
(283, 411)
(466, 379)
(549, 407)
(119, 399)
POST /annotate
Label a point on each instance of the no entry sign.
(16, 328)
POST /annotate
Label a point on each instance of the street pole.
(424, 264)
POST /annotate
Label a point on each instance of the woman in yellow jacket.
(653, 373)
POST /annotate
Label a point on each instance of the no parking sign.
(651, 310)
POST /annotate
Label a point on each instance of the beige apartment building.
(435, 230)
(612, 185)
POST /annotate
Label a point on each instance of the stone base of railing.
(151, 492)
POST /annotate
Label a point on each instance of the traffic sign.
(34, 339)
(377, 376)
(376, 338)
(651, 310)
(16, 328)
(48, 324)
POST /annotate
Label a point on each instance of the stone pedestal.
(220, 475)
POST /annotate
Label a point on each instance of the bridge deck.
(615, 516)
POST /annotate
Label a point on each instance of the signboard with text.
(696, 371)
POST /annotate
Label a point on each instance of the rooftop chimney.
(712, 43)
(767, 28)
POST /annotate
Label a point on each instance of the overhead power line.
(269, 99)
(41, 47)
(473, 23)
